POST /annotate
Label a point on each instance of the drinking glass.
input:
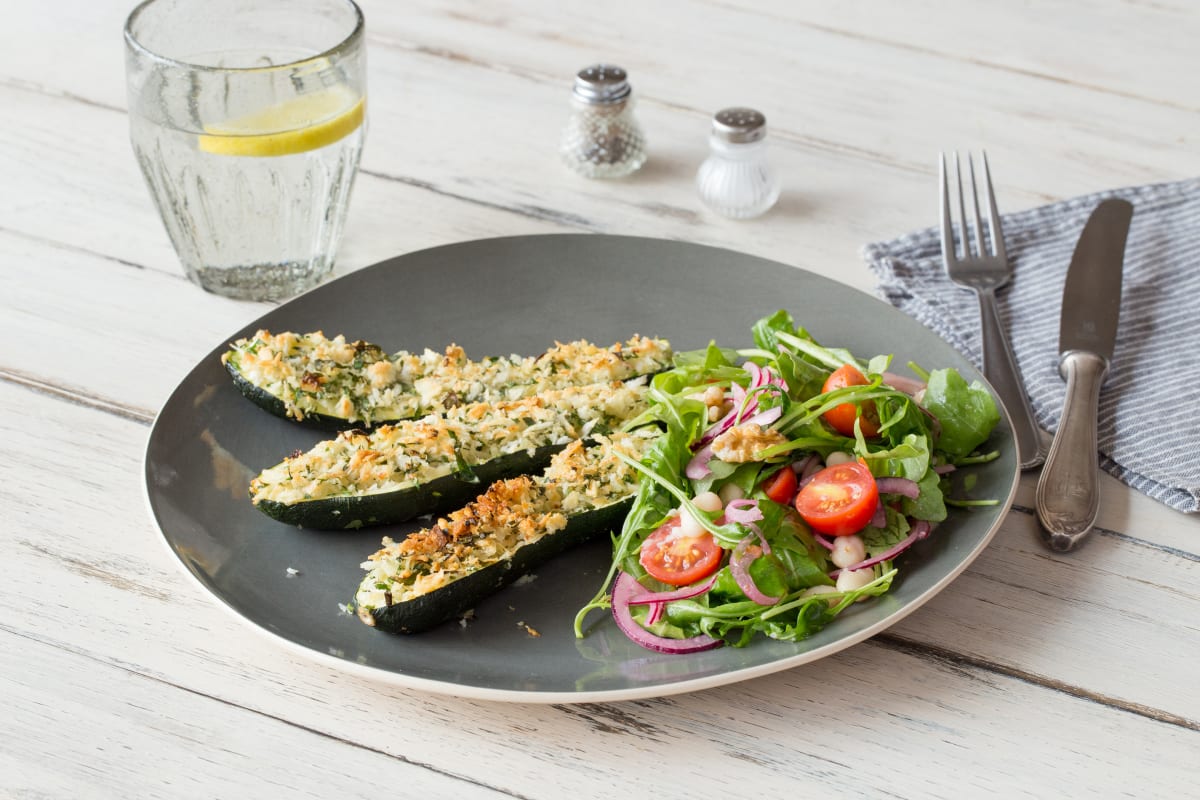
(247, 118)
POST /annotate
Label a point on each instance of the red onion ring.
(800, 467)
(880, 518)
(944, 469)
(622, 588)
(898, 486)
(821, 540)
(815, 465)
(764, 418)
(697, 466)
(682, 593)
(734, 512)
(901, 383)
(739, 565)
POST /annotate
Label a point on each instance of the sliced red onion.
(745, 402)
(739, 564)
(743, 510)
(821, 540)
(920, 530)
(697, 466)
(944, 469)
(814, 466)
(756, 373)
(801, 467)
(898, 486)
(723, 424)
(764, 418)
(901, 383)
(655, 612)
(682, 593)
(623, 587)
(880, 518)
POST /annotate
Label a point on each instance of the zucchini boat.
(515, 526)
(415, 467)
(334, 384)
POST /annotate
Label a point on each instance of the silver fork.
(985, 270)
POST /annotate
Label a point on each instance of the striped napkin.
(1150, 401)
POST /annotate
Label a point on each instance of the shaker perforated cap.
(739, 125)
(601, 84)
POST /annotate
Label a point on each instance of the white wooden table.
(1035, 674)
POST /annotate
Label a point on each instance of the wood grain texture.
(1033, 674)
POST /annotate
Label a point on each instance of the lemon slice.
(306, 123)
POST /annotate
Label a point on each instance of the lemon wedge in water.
(306, 123)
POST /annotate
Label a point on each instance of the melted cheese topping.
(509, 515)
(397, 456)
(357, 381)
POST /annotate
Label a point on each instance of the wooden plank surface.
(1032, 674)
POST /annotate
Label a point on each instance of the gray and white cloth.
(1150, 402)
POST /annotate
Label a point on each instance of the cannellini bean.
(708, 501)
(731, 492)
(705, 501)
(838, 457)
(689, 526)
(848, 550)
(851, 579)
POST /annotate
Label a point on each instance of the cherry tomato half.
(842, 417)
(781, 487)
(839, 500)
(679, 559)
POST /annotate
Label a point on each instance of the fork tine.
(962, 209)
(980, 241)
(994, 229)
(949, 256)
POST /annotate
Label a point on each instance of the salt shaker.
(602, 139)
(736, 180)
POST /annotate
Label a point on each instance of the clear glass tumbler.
(247, 118)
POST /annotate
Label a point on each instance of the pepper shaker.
(736, 180)
(602, 139)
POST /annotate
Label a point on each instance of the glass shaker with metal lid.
(736, 180)
(602, 139)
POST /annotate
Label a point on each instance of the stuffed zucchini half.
(334, 384)
(514, 527)
(415, 467)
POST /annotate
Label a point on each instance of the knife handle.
(1000, 368)
(1068, 490)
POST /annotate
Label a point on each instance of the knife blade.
(1068, 497)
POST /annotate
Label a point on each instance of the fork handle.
(1000, 367)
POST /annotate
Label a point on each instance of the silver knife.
(1068, 496)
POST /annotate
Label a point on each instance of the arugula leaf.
(880, 540)
(909, 459)
(930, 505)
(766, 330)
(967, 413)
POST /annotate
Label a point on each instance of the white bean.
(838, 457)
(708, 501)
(849, 580)
(689, 526)
(731, 492)
(813, 591)
(848, 550)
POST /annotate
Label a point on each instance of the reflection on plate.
(499, 296)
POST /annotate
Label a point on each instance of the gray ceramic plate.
(498, 296)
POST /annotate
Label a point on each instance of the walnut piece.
(744, 442)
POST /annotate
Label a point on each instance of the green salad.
(790, 479)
